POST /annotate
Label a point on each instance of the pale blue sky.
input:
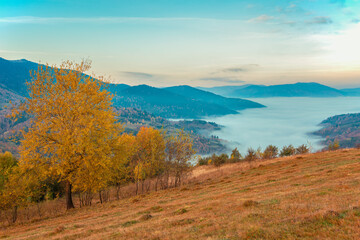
(197, 42)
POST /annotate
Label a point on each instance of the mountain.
(167, 104)
(223, 90)
(288, 90)
(7, 96)
(343, 128)
(351, 92)
(14, 74)
(284, 90)
(116, 88)
(200, 95)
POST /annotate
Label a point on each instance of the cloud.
(320, 20)
(54, 20)
(292, 8)
(355, 20)
(138, 75)
(222, 79)
(244, 68)
(261, 18)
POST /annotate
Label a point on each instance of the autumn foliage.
(75, 145)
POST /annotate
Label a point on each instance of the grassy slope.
(304, 197)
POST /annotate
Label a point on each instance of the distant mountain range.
(137, 106)
(284, 90)
(175, 102)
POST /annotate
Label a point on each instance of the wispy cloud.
(52, 20)
(244, 68)
(222, 79)
(289, 9)
(320, 20)
(138, 74)
(261, 18)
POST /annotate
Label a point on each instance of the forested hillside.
(342, 128)
(137, 106)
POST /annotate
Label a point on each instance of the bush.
(259, 153)
(334, 145)
(270, 152)
(235, 156)
(203, 161)
(251, 155)
(287, 151)
(302, 149)
(220, 160)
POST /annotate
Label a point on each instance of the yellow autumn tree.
(179, 149)
(121, 164)
(71, 129)
(150, 155)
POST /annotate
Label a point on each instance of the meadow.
(313, 196)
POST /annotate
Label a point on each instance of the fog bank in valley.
(285, 121)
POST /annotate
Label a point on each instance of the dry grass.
(309, 197)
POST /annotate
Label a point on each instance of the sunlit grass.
(312, 197)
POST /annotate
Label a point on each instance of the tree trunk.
(38, 208)
(137, 186)
(14, 214)
(100, 197)
(118, 191)
(69, 202)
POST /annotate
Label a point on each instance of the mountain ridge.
(14, 73)
(299, 89)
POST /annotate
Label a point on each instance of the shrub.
(287, 151)
(302, 149)
(220, 160)
(251, 155)
(259, 153)
(334, 145)
(235, 156)
(270, 152)
(203, 161)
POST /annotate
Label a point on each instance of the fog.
(285, 121)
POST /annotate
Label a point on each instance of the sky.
(193, 42)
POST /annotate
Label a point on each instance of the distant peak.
(20, 60)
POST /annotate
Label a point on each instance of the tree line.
(269, 152)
